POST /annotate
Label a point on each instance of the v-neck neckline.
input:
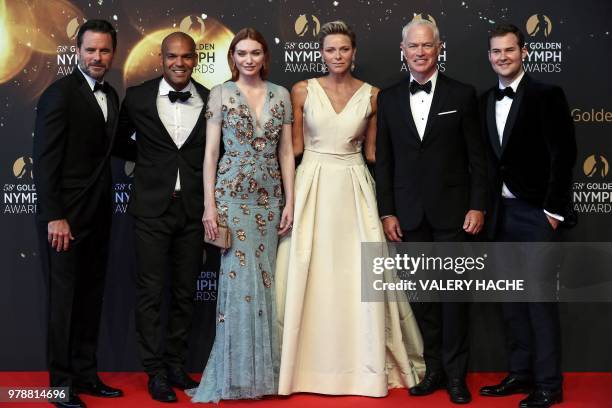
(252, 112)
(330, 102)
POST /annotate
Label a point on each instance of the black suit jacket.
(440, 177)
(538, 151)
(72, 148)
(158, 157)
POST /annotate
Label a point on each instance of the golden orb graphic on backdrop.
(14, 54)
(596, 165)
(32, 34)
(423, 16)
(144, 60)
(307, 24)
(43, 24)
(194, 26)
(539, 25)
(23, 168)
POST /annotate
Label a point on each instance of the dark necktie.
(416, 87)
(174, 96)
(101, 87)
(500, 93)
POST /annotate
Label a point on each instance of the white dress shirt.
(99, 95)
(420, 103)
(179, 118)
(502, 109)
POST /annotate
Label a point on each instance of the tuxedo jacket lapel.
(89, 97)
(112, 104)
(492, 124)
(151, 101)
(512, 115)
(439, 97)
(197, 128)
(404, 101)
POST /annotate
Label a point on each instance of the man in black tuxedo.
(168, 116)
(532, 151)
(431, 186)
(73, 140)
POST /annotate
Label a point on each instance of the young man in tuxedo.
(168, 116)
(431, 181)
(73, 141)
(532, 150)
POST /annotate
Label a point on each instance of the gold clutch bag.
(224, 240)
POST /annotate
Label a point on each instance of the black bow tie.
(174, 96)
(416, 87)
(500, 93)
(101, 87)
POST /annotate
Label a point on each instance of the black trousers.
(75, 287)
(533, 329)
(444, 326)
(170, 243)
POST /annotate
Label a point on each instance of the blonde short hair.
(337, 27)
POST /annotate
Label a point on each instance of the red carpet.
(584, 390)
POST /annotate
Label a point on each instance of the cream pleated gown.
(332, 342)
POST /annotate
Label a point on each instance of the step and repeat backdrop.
(568, 44)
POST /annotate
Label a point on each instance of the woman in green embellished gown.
(252, 117)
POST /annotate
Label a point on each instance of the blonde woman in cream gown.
(332, 342)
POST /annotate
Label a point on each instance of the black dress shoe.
(160, 389)
(542, 399)
(458, 391)
(508, 386)
(432, 382)
(177, 377)
(98, 389)
(73, 402)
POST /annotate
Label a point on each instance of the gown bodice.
(325, 130)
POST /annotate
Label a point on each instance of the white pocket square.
(447, 112)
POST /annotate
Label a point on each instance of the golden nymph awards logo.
(593, 115)
(307, 25)
(67, 52)
(304, 55)
(72, 28)
(123, 189)
(539, 25)
(542, 55)
(594, 195)
(596, 166)
(206, 286)
(441, 58)
(20, 197)
(23, 168)
(212, 40)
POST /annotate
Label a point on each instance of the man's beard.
(86, 70)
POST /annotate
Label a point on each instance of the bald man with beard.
(168, 117)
